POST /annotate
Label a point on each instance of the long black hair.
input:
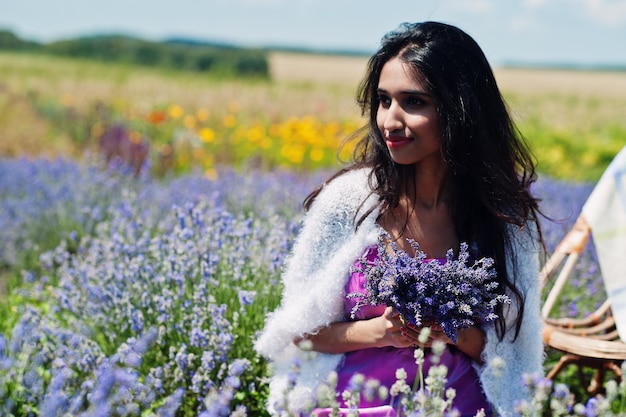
(490, 164)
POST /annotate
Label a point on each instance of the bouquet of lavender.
(453, 294)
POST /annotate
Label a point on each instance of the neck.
(432, 188)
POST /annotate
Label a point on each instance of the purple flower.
(591, 408)
(246, 297)
(171, 404)
(454, 294)
(56, 401)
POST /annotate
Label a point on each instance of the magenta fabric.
(382, 411)
(381, 363)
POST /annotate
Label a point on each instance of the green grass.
(574, 137)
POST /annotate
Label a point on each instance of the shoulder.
(348, 190)
(523, 255)
(356, 181)
(524, 239)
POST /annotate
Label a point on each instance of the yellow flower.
(203, 114)
(293, 153)
(256, 133)
(229, 121)
(175, 111)
(189, 121)
(316, 154)
(266, 142)
(207, 134)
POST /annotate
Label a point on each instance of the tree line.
(177, 54)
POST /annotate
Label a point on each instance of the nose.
(393, 118)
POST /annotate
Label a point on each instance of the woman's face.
(407, 116)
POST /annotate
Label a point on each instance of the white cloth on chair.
(605, 211)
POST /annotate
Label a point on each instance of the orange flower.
(157, 116)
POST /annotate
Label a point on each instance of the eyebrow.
(408, 92)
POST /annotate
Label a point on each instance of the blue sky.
(578, 32)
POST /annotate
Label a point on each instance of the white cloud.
(611, 12)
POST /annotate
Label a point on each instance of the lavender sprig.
(456, 294)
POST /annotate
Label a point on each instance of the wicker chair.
(592, 342)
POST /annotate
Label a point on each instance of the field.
(573, 119)
(136, 288)
(530, 81)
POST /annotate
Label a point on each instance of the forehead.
(397, 73)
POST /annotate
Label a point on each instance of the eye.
(415, 101)
(384, 100)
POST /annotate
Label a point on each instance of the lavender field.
(127, 296)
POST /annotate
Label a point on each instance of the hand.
(402, 334)
(396, 332)
(411, 333)
(435, 333)
(470, 341)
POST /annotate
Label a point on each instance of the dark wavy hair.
(490, 164)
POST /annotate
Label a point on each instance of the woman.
(440, 163)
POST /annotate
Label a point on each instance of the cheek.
(431, 125)
(380, 120)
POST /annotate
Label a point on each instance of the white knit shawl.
(314, 278)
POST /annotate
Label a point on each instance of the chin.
(403, 161)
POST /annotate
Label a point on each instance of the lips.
(397, 141)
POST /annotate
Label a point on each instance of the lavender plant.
(194, 284)
(562, 203)
(198, 276)
(454, 294)
(556, 399)
(424, 397)
(41, 202)
(427, 396)
(142, 297)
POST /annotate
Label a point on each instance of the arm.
(388, 330)
(315, 270)
(342, 337)
(471, 342)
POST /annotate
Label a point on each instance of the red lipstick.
(397, 141)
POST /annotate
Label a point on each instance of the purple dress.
(381, 363)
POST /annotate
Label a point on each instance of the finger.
(436, 328)
(391, 312)
(408, 333)
(440, 337)
(411, 336)
(404, 332)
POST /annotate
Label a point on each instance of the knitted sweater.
(314, 277)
